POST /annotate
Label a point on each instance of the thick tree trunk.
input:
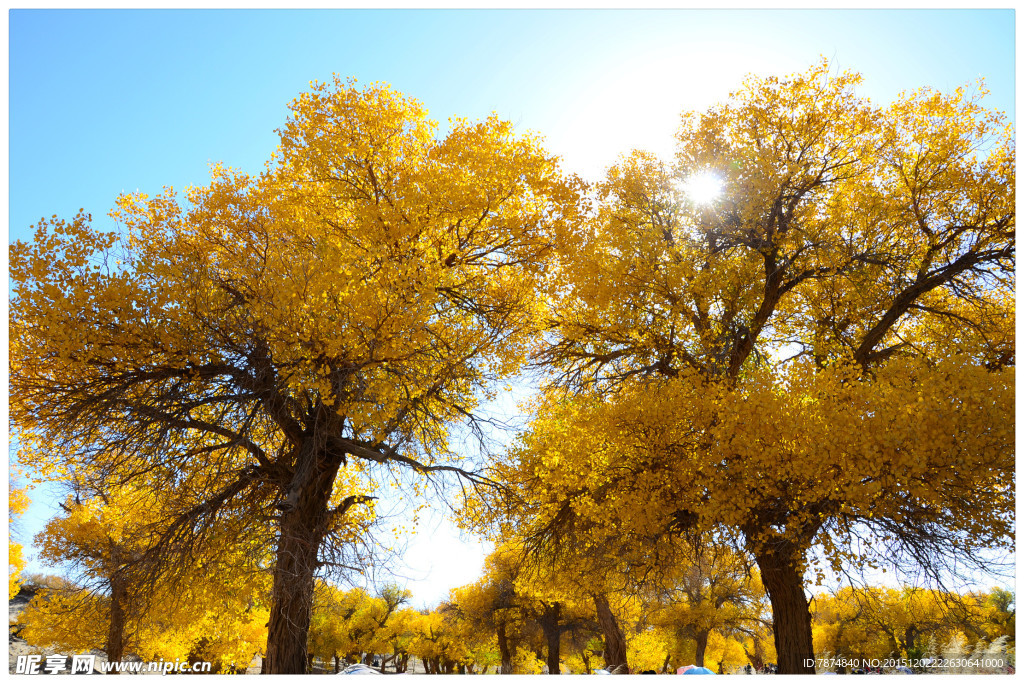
(549, 623)
(791, 615)
(503, 648)
(304, 520)
(702, 647)
(337, 664)
(292, 596)
(115, 629)
(614, 641)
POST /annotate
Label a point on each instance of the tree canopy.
(817, 358)
(339, 311)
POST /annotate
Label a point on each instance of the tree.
(906, 623)
(711, 591)
(214, 609)
(349, 623)
(1001, 610)
(339, 311)
(818, 356)
(493, 604)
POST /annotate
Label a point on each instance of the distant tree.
(214, 610)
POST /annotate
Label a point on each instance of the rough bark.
(791, 614)
(702, 647)
(303, 524)
(550, 623)
(614, 641)
(506, 653)
(115, 630)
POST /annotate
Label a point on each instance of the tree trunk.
(791, 615)
(115, 629)
(337, 664)
(614, 641)
(506, 654)
(549, 623)
(910, 642)
(198, 654)
(702, 647)
(757, 656)
(304, 521)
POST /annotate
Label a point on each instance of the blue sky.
(107, 101)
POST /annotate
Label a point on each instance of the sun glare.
(702, 188)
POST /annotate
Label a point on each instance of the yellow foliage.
(17, 504)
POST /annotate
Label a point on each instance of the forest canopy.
(793, 343)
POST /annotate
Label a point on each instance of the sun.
(702, 188)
